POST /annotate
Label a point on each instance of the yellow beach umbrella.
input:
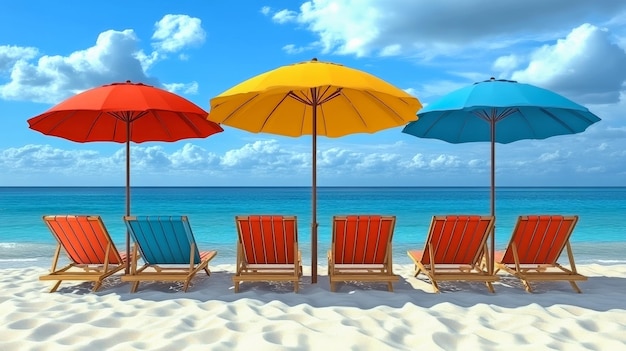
(314, 98)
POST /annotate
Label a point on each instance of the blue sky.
(51, 50)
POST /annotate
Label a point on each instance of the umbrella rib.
(560, 121)
(269, 115)
(305, 100)
(186, 118)
(234, 111)
(392, 111)
(322, 98)
(63, 120)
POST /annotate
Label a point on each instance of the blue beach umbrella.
(499, 111)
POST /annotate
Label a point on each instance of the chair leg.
(134, 287)
(527, 285)
(390, 286)
(96, 285)
(575, 287)
(295, 286)
(417, 271)
(208, 272)
(186, 286)
(236, 287)
(435, 285)
(490, 287)
(56, 286)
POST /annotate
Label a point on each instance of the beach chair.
(361, 250)
(535, 246)
(91, 252)
(168, 249)
(454, 250)
(267, 250)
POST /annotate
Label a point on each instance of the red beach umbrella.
(125, 112)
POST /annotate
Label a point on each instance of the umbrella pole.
(128, 258)
(314, 193)
(493, 195)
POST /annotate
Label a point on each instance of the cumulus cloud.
(270, 162)
(176, 32)
(586, 64)
(266, 158)
(10, 54)
(182, 88)
(45, 158)
(53, 78)
(394, 27)
(116, 56)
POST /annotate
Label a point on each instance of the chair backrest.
(163, 239)
(457, 239)
(540, 239)
(268, 239)
(84, 238)
(362, 239)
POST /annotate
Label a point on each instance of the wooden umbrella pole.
(493, 195)
(314, 190)
(127, 269)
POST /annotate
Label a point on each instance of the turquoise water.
(600, 235)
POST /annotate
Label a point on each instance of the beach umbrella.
(499, 111)
(125, 112)
(314, 98)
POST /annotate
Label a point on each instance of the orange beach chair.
(535, 246)
(454, 250)
(267, 250)
(361, 250)
(92, 254)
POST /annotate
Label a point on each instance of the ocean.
(600, 236)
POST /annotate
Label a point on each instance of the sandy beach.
(267, 316)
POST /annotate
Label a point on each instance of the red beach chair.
(454, 250)
(535, 246)
(361, 250)
(267, 249)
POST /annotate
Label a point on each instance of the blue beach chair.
(167, 247)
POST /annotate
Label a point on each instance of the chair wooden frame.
(536, 244)
(93, 255)
(361, 250)
(267, 250)
(168, 248)
(454, 250)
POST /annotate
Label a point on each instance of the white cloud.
(270, 162)
(429, 29)
(182, 88)
(293, 49)
(266, 158)
(10, 54)
(550, 156)
(586, 65)
(53, 78)
(176, 32)
(115, 57)
(284, 16)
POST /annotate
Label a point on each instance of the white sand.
(271, 317)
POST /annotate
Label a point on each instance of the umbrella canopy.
(125, 112)
(499, 111)
(314, 98)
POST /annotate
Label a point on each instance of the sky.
(51, 50)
